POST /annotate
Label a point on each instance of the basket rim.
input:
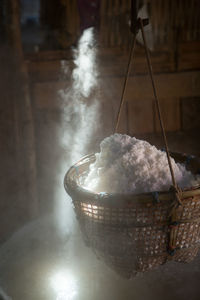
(74, 189)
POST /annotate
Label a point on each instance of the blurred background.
(45, 110)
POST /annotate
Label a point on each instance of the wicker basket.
(135, 233)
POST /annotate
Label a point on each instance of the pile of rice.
(128, 165)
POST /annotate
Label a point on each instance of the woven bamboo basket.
(135, 233)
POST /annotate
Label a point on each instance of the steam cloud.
(3, 296)
(77, 128)
(80, 118)
(80, 112)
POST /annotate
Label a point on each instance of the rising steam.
(79, 119)
(80, 111)
(3, 296)
(85, 74)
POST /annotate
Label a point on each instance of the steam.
(80, 111)
(79, 119)
(85, 74)
(64, 285)
(3, 296)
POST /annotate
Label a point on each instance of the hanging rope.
(175, 186)
(122, 100)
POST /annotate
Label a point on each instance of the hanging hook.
(135, 22)
(135, 27)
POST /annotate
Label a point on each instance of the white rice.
(128, 165)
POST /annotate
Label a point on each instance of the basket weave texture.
(135, 233)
